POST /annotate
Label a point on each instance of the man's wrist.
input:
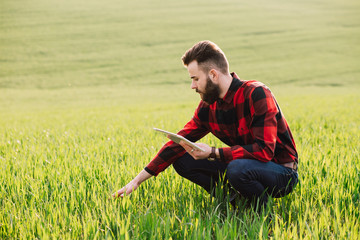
(217, 152)
(141, 177)
(212, 156)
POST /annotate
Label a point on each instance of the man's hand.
(129, 188)
(133, 185)
(197, 154)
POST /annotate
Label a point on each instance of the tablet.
(177, 138)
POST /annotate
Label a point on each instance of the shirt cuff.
(225, 154)
(149, 171)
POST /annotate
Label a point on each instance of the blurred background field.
(82, 83)
(70, 52)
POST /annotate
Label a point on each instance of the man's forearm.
(142, 176)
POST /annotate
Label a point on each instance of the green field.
(82, 83)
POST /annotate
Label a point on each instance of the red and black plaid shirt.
(248, 120)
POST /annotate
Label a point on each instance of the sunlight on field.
(63, 165)
(82, 83)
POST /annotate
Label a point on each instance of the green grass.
(82, 83)
(61, 169)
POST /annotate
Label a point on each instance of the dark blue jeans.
(252, 179)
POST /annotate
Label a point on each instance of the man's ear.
(214, 75)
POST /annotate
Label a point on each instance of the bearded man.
(260, 159)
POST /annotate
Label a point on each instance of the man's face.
(202, 83)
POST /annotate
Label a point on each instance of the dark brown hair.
(208, 55)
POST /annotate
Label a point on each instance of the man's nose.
(193, 85)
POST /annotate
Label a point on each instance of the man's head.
(208, 55)
(206, 64)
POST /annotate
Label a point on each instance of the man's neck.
(224, 84)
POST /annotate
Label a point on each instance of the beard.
(211, 93)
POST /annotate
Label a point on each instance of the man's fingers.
(119, 193)
(182, 144)
(185, 146)
(116, 194)
(189, 149)
(124, 191)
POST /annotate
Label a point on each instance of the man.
(261, 159)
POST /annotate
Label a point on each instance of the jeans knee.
(236, 170)
(177, 166)
(180, 168)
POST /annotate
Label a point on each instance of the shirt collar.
(230, 93)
